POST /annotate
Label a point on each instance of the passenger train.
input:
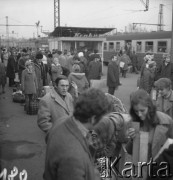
(156, 42)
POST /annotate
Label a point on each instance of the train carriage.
(156, 42)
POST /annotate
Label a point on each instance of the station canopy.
(79, 31)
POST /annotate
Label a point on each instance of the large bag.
(18, 97)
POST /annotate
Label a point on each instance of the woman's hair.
(142, 97)
(92, 102)
(163, 83)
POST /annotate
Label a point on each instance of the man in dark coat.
(134, 59)
(68, 155)
(166, 69)
(95, 68)
(113, 75)
(11, 68)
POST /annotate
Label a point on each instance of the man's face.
(164, 91)
(62, 87)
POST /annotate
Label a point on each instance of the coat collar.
(64, 103)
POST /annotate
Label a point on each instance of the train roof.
(140, 36)
(71, 31)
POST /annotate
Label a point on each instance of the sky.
(80, 13)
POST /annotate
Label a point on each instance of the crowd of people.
(81, 123)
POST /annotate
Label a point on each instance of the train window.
(117, 46)
(138, 46)
(111, 46)
(149, 46)
(161, 46)
(105, 46)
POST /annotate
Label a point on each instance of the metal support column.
(7, 31)
(56, 13)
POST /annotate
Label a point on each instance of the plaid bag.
(32, 106)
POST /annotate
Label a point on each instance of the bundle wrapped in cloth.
(18, 97)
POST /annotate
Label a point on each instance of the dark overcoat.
(11, 67)
(113, 74)
(167, 71)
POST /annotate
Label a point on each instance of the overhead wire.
(102, 11)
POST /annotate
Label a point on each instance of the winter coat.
(147, 79)
(29, 82)
(11, 67)
(94, 70)
(21, 65)
(162, 131)
(166, 71)
(83, 65)
(80, 80)
(2, 74)
(68, 155)
(113, 75)
(5, 57)
(125, 58)
(62, 61)
(56, 70)
(38, 74)
(167, 107)
(70, 63)
(134, 59)
(52, 107)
